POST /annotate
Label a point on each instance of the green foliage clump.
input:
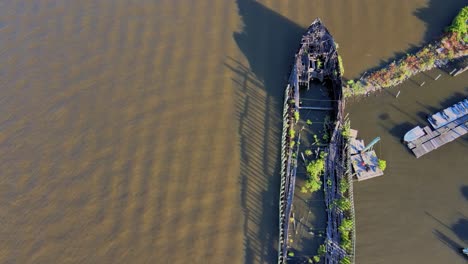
(291, 254)
(316, 167)
(346, 245)
(346, 129)
(292, 143)
(292, 133)
(322, 250)
(317, 259)
(382, 164)
(459, 23)
(345, 260)
(358, 88)
(308, 152)
(343, 204)
(340, 63)
(354, 88)
(314, 170)
(347, 93)
(343, 185)
(311, 185)
(316, 140)
(296, 116)
(345, 229)
(346, 226)
(309, 122)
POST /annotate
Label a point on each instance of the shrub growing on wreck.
(292, 133)
(346, 129)
(316, 167)
(343, 185)
(316, 140)
(346, 244)
(311, 185)
(343, 204)
(356, 87)
(346, 226)
(296, 116)
(345, 260)
(340, 63)
(322, 250)
(314, 170)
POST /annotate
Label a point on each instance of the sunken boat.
(316, 61)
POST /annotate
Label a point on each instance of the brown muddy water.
(148, 131)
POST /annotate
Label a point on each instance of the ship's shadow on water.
(268, 41)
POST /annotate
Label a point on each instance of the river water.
(148, 131)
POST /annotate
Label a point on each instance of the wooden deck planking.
(436, 138)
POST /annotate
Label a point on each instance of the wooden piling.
(460, 71)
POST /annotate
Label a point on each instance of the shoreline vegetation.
(452, 45)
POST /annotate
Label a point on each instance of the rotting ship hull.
(316, 60)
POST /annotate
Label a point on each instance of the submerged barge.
(316, 61)
(447, 125)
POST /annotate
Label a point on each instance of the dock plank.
(437, 138)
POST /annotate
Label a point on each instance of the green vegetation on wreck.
(296, 116)
(314, 170)
(340, 62)
(345, 230)
(345, 205)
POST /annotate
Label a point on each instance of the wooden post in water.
(397, 94)
(438, 76)
(453, 71)
(460, 71)
(422, 83)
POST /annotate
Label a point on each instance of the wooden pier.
(369, 158)
(433, 139)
